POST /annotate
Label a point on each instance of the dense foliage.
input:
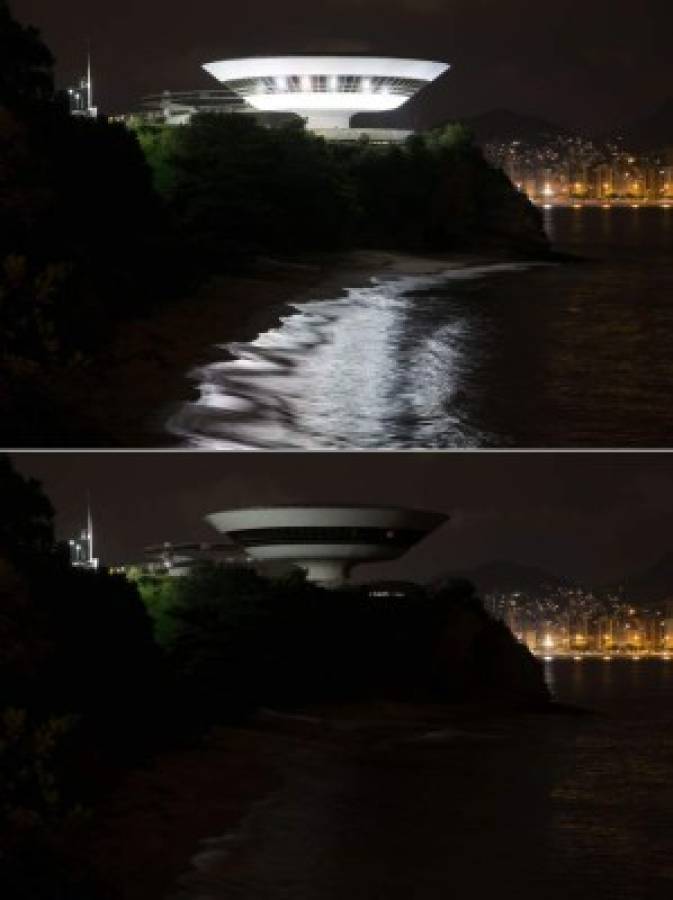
(437, 193)
(81, 691)
(83, 240)
(80, 235)
(236, 186)
(26, 64)
(27, 523)
(237, 640)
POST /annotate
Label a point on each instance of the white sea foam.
(377, 368)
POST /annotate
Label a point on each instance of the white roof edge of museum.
(381, 66)
(325, 516)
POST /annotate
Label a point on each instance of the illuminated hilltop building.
(327, 91)
(327, 542)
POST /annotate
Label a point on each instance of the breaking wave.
(380, 367)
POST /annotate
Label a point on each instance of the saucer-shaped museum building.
(325, 541)
(326, 91)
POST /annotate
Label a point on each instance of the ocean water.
(544, 806)
(503, 355)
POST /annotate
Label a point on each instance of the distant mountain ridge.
(502, 575)
(653, 131)
(506, 125)
(650, 132)
(652, 584)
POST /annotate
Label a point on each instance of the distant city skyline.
(586, 66)
(589, 517)
(571, 170)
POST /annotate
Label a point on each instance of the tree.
(71, 641)
(81, 693)
(239, 188)
(239, 641)
(82, 241)
(26, 64)
(27, 520)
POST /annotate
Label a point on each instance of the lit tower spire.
(89, 528)
(81, 548)
(89, 81)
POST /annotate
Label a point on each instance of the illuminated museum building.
(324, 91)
(327, 542)
(179, 107)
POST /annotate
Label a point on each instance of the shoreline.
(292, 283)
(147, 831)
(140, 379)
(176, 822)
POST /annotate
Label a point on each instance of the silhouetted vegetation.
(436, 193)
(81, 236)
(237, 641)
(237, 188)
(26, 69)
(82, 685)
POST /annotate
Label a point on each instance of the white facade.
(325, 90)
(325, 541)
(179, 107)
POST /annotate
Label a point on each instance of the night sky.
(591, 516)
(592, 65)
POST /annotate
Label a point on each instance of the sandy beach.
(147, 830)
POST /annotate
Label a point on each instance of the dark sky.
(591, 516)
(589, 63)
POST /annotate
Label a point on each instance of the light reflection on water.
(509, 355)
(380, 367)
(541, 806)
(613, 801)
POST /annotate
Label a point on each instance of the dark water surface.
(546, 806)
(571, 355)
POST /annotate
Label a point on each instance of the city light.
(565, 169)
(570, 622)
